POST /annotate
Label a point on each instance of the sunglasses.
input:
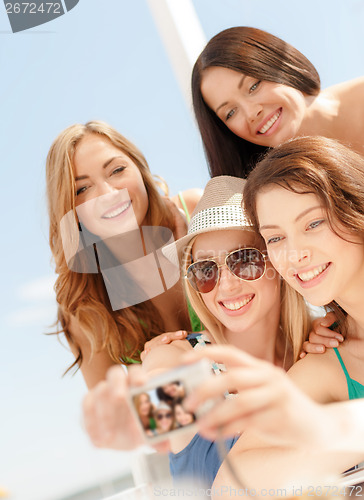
(247, 264)
(160, 416)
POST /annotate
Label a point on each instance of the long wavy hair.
(137, 404)
(321, 166)
(258, 54)
(295, 327)
(81, 295)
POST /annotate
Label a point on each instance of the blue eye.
(315, 224)
(254, 86)
(274, 239)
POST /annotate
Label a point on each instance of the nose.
(253, 111)
(227, 280)
(299, 253)
(104, 188)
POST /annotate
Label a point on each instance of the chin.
(318, 301)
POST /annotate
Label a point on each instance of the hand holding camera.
(122, 417)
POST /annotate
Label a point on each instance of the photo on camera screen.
(161, 410)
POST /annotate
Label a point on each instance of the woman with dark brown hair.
(252, 91)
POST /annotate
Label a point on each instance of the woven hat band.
(224, 216)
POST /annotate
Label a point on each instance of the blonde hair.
(83, 295)
(295, 327)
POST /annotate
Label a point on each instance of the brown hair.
(258, 54)
(83, 295)
(317, 165)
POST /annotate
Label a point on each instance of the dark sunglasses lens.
(161, 416)
(247, 264)
(203, 275)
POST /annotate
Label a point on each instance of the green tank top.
(355, 390)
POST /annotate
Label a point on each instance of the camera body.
(159, 405)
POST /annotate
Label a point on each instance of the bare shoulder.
(346, 88)
(191, 197)
(320, 376)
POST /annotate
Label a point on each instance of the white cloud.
(37, 315)
(38, 289)
(39, 307)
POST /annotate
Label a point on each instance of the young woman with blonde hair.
(102, 198)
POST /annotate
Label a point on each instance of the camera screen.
(161, 410)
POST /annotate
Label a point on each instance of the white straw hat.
(218, 209)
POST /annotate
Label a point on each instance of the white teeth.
(270, 122)
(312, 274)
(234, 306)
(117, 212)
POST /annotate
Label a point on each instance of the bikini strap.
(181, 199)
(342, 363)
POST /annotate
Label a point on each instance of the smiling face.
(239, 305)
(164, 419)
(111, 197)
(174, 390)
(182, 417)
(261, 112)
(319, 264)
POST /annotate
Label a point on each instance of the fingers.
(136, 376)
(321, 338)
(328, 320)
(99, 414)
(238, 407)
(165, 338)
(314, 347)
(238, 380)
(108, 418)
(321, 327)
(228, 355)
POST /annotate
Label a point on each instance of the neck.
(263, 340)
(355, 320)
(352, 301)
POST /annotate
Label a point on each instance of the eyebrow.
(106, 164)
(302, 214)
(240, 84)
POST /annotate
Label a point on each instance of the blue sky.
(102, 60)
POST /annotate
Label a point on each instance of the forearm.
(347, 421)
(281, 470)
(333, 442)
